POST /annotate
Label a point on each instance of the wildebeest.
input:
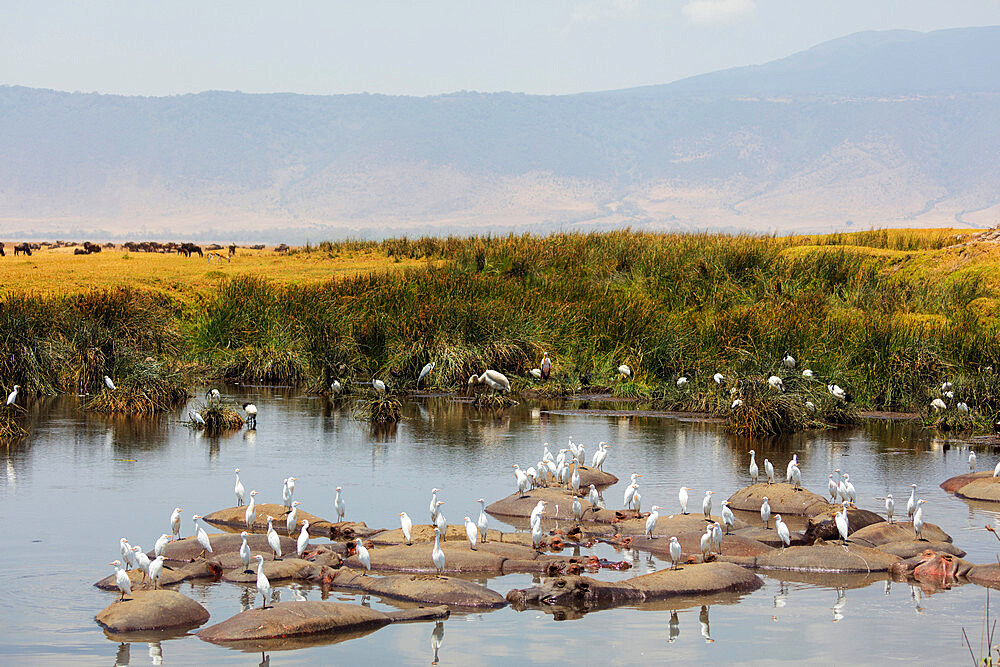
(2, 253)
(281, 248)
(232, 250)
(89, 247)
(187, 249)
(22, 247)
(80, 251)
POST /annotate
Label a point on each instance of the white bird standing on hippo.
(175, 523)
(911, 504)
(263, 585)
(483, 523)
(682, 496)
(918, 520)
(728, 518)
(754, 470)
(303, 542)
(675, 553)
(706, 505)
(122, 581)
(406, 524)
(201, 536)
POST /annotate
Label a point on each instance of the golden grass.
(59, 271)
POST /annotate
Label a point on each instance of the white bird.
(522, 480)
(736, 403)
(754, 470)
(364, 557)
(782, 529)
(245, 553)
(788, 361)
(483, 523)
(121, 580)
(682, 381)
(239, 489)
(536, 534)
(769, 471)
(437, 554)
(682, 496)
(911, 504)
(706, 504)
(788, 469)
(251, 514)
(263, 585)
(196, 417)
(574, 481)
(434, 505)
(291, 485)
(972, 461)
(717, 537)
(765, 512)
(495, 380)
(630, 492)
(808, 374)
(706, 542)
(251, 411)
(379, 385)
(840, 518)
(338, 504)
(536, 373)
(546, 365)
(441, 522)
(625, 371)
(811, 407)
(889, 507)
(599, 456)
(424, 372)
(654, 516)
(836, 391)
(849, 493)
(537, 511)
(175, 523)
(407, 525)
(832, 488)
(949, 395)
(796, 477)
(303, 542)
(125, 549)
(776, 383)
(160, 547)
(109, 383)
(273, 540)
(595, 498)
(141, 559)
(996, 470)
(336, 387)
(962, 406)
(577, 510)
(719, 378)
(938, 405)
(291, 520)
(918, 520)
(156, 570)
(213, 396)
(947, 386)
(675, 553)
(728, 518)
(12, 396)
(471, 532)
(201, 535)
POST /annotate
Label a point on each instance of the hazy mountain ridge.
(699, 153)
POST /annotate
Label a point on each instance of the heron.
(911, 504)
(675, 553)
(251, 513)
(196, 417)
(972, 461)
(484, 521)
(918, 520)
(434, 504)
(776, 383)
(245, 554)
(471, 532)
(364, 557)
(156, 570)
(706, 505)
(303, 542)
(625, 371)
(754, 470)
(765, 512)
(292, 519)
(425, 371)
(682, 495)
(737, 403)
(12, 396)
(889, 507)
(251, 411)
(654, 516)
(728, 518)
(536, 373)
(160, 547)
(437, 554)
(441, 522)
(600, 455)
(782, 529)
(175, 523)
(109, 383)
(273, 540)
(840, 518)
(379, 385)
(769, 471)
(201, 536)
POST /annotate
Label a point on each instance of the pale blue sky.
(147, 47)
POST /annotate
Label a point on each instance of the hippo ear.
(584, 586)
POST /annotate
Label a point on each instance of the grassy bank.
(887, 315)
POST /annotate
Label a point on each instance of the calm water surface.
(81, 482)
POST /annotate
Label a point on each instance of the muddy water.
(81, 482)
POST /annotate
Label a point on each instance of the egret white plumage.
(125, 549)
(938, 405)
(160, 547)
(175, 523)
(972, 461)
(196, 417)
(625, 371)
(251, 514)
(836, 391)
(706, 543)
(245, 554)
(536, 512)
(947, 386)
(364, 557)
(754, 470)
(949, 395)
(719, 378)
(918, 520)
(890, 505)
(273, 540)
(141, 559)
(437, 554)
(675, 553)
(682, 496)
(291, 521)
(536, 534)
(291, 485)
(12, 396)
(336, 388)
(434, 505)
(406, 524)
(483, 522)
(339, 505)
(788, 468)
(706, 504)
(737, 403)
(840, 518)
(521, 479)
(263, 585)
(962, 406)
(379, 385)
(808, 374)
(776, 383)
(441, 522)
(239, 489)
(577, 509)
(303, 542)
(629, 498)
(424, 372)
(471, 532)
(213, 396)
(156, 570)
(796, 478)
(717, 537)
(594, 498)
(849, 493)
(728, 518)
(122, 581)
(769, 471)
(536, 373)
(574, 480)
(599, 456)
(682, 382)
(911, 504)
(495, 380)
(251, 412)
(765, 512)
(201, 536)
(788, 361)
(832, 488)
(783, 534)
(811, 407)
(109, 383)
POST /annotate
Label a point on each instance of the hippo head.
(939, 570)
(565, 591)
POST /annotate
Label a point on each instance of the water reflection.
(124, 654)
(437, 638)
(838, 606)
(703, 621)
(673, 627)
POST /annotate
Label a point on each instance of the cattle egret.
(911, 504)
(303, 542)
(263, 585)
(675, 553)
(765, 512)
(471, 532)
(273, 540)
(728, 518)
(889, 507)
(12, 396)
(407, 526)
(782, 529)
(201, 536)
(918, 520)
(291, 520)
(754, 470)
(109, 383)
(338, 504)
(175, 523)
(682, 496)
(121, 580)
(437, 554)
(654, 516)
(239, 489)
(245, 554)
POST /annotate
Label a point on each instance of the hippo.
(783, 498)
(423, 588)
(234, 519)
(152, 610)
(584, 593)
(172, 574)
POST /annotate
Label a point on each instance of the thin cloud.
(717, 11)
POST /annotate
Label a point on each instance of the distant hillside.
(876, 129)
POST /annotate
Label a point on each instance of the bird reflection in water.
(673, 627)
(247, 597)
(703, 620)
(917, 597)
(265, 660)
(155, 653)
(124, 654)
(437, 637)
(888, 586)
(838, 606)
(781, 597)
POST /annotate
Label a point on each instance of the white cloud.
(717, 11)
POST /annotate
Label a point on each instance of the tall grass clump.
(216, 418)
(11, 424)
(381, 409)
(145, 389)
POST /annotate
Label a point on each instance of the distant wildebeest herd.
(88, 248)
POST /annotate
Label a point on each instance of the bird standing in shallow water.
(972, 462)
(339, 505)
(424, 372)
(263, 585)
(251, 411)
